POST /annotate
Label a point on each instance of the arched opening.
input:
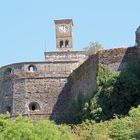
(66, 43)
(34, 106)
(8, 71)
(61, 44)
(32, 68)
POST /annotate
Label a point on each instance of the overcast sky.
(25, 24)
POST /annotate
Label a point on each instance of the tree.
(93, 48)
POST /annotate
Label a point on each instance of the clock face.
(63, 28)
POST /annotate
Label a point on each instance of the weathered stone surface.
(77, 56)
(43, 83)
(53, 83)
(43, 89)
(118, 58)
(83, 79)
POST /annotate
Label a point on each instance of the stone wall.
(45, 88)
(44, 91)
(78, 56)
(41, 83)
(118, 58)
(83, 79)
(6, 95)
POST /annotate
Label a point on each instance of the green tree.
(93, 48)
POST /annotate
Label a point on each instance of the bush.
(124, 128)
(99, 107)
(121, 129)
(74, 112)
(93, 48)
(116, 92)
(25, 129)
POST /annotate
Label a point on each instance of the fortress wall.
(83, 79)
(78, 56)
(7, 87)
(47, 86)
(46, 92)
(19, 96)
(118, 58)
(53, 84)
(42, 69)
(6, 95)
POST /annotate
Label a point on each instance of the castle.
(43, 89)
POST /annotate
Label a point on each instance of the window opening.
(61, 44)
(66, 43)
(34, 106)
(32, 68)
(8, 71)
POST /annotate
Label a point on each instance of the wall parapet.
(118, 58)
(38, 69)
(79, 56)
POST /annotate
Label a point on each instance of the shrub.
(124, 128)
(116, 92)
(25, 129)
(121, 129)
(93, 48)
(74, 112)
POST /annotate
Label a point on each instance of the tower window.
(61, 44)
(66, 43)
(32, 68)
(34, 106)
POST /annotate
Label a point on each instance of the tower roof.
(62, 21)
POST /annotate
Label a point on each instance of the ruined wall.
(83, 79)
(118, 58)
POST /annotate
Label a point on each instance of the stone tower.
(64, 39)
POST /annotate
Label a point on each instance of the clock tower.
(64, 40)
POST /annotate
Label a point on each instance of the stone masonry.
(43, 89)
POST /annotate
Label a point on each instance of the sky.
(26, 24)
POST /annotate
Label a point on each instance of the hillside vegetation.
(116, 93)
(25, 129)
(124, 128)
(112, 114)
